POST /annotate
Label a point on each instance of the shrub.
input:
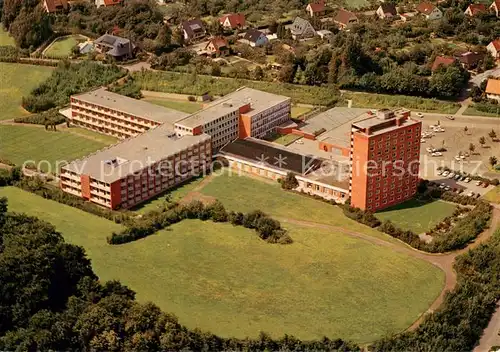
(51, 117)
(191, 98)
(289, 182)
(364, 217)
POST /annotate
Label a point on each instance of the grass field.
(415, 216)
(103, 138)
(242, 193)
(225, 280)
(23, 143)
(472, 111)
(184, 106)
(284, 139)
(61, 47)
(493, 195)
(299, 110)
(379, 101)
(176, 194)
(17, 81)
(5, 38)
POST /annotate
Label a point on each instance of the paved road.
(477, 79)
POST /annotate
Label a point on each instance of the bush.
(51, 117)
(191, 98)
(289, 182)
(363, 217)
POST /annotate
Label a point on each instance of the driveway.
(477, 79)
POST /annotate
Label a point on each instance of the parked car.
(449, 117)
(478, 183)
(486, 184)
(458, 177)
(463, 178)
(439, 173)
(428, 149)
(452, 175)
(422, 140)
(447, 188)
(442, 185)
(470, 194)
(446, 173)
(467, 180)
(419, 114)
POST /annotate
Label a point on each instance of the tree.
(289, 182)
(493, 135)
(258, 74)
(493, 161)
(287, 73)
(164, 37)
(216, 70)
(466, 129)
(482, 141)
(472, 147)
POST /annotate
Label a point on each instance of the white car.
(442, 185)
(478, 183)
(447, 188)
(451, 175)
(446, 173)
(470, 194)
(299, 141)
(438, 153)
(450, 117)
(419, 114)
(422, 140)
(467, 180)
(432, 126)
(429, 149)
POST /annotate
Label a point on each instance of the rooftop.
(124, 104)
(133, 154)
(378, 124)
(493, 86)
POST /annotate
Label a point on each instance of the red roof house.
(316, 8)
(475, 9)
(345, 18)
(55, 5)
(233, 20)
(107, 3)
(218, 46)
(444, 61)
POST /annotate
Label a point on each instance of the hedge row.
(50, 117)
(267, 228)
(363, 217)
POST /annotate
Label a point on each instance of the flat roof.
(104, 97)
(272, 156)
(134, 154)
(208, 114)
(374, 121)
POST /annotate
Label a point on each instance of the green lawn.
(92, 135)
(284, 139)
(5, 38)
(17, 80)
(184, 106)
(299, 110)
(23, 143)
(493, 195)
(61, 47)
(472, 111)
(225, 280)
(176, 194)
(242, 193)
(378, 101)
(416, 216)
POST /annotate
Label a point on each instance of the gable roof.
(192, 26)
(442, 61)
(470, 58)
(55, 5)
(389, 8)
(317, 6)
(300, 26)
(252, 35)
(426, 8)
(496, 44)
(496, 3)
(493, 86)
(235, 19)
(111, 2)
(344, 16)
(118, 46)
(218, 43)
(476, 9)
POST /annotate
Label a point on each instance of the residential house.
(107, 3)
(429, 11)
(470, 60)
(387, 11)
(493, 89)
(254, 38)
(494, 49)
(324, 34)
(302, 29)
(344, 19)
(442, 61)
(475, 9)
(193, 29)
(117, 47)
(233, 21)
(52, 6)
(316, 9)
(217, 46)
(495, 6)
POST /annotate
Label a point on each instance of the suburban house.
(430, 11)
(495, 6)
(493, 89)
(107, 3)
(345, 19)
(218, 46)
(55, 5)
(193, 29)
(387, 11)
(316, 9)
(442, 61)
(470, 60)
(494, 48)
(117, 47)
(302, 29)
(475, 9)
(233, 21)
(254, 38)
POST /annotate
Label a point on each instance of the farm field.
(415, 216)
(61, 47)
(242, 193)
(176, 194)
(322, 284)
(5, 38)
(23, 143)
(13, 88)
(184, 106)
